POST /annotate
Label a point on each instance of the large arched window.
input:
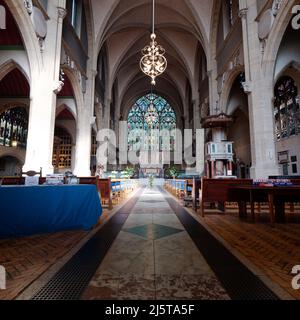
(286, 108)
(154, 115)
(14, 127)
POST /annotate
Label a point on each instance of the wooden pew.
(218, 191)
(104, 188)
(186, 189)
(18, 181)
(295, 181)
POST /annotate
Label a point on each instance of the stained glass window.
(286, 108)
(154, 115)
(14, 127)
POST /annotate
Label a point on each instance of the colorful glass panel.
(286, 108)
(153, 114)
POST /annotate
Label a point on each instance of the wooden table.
(275, 196)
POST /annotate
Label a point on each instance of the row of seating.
(111, 191)
(206, 193)
(186, 190)
(179, 188)
(121, 188)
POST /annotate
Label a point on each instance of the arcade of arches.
(208, 74)
(69, 68)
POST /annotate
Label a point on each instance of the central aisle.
(153, 257)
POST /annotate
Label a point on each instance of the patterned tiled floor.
(153, 257)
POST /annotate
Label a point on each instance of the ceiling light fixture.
(153, 62)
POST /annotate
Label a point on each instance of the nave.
(151, 248)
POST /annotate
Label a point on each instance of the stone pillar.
(230, 167)
(197, 115)
(99, 115)
(83, 144)
(44, 85)
(85, 121)
(259, 88)
(213, 88)
(219, 168)
(207, 170)
(213, 171)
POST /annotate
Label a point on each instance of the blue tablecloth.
(28, 211)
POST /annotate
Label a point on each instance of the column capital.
(94, 72)
(62, 12)
(28, 6)
(247, 86)
(243, 13)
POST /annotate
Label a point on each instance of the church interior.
(149, 150)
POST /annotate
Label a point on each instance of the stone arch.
(229, 80)
(130, 102)
(9, 66)
(30, 40)
(65, 106)
(214, 28)
(13, 163)
(17, 154)
(295, 65)
(13, 104)
(276, 35)
(77, 89)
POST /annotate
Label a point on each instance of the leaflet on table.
(54, 179)
(32, 181)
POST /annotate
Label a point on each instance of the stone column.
(99, 115)
(213, 171)
(85, 121)
(260, 91)
(83, 144)
(197, 115)
(44, 85)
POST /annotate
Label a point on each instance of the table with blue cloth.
(26, 211)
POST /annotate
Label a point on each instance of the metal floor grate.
(239, 282)
(71, 280)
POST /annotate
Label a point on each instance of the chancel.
(149, 150)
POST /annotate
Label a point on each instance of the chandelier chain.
(153, 62)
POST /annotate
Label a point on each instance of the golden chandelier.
(153, 62)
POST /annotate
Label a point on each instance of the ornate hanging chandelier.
(153, 62)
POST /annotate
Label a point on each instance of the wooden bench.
(186, 189)
(295, 180)
(219, 191)
(19, 181)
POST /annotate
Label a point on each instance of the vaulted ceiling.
(124, 27)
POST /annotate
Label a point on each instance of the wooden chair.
(32, 173)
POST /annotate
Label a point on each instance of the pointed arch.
(9, 66)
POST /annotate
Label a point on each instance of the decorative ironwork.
(286, 108)
(14, 127)
(62, 155)
(151, 113)
(153, 62)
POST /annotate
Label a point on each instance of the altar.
(32, 210)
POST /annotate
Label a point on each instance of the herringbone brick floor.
(26, 259)
(274, 250)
